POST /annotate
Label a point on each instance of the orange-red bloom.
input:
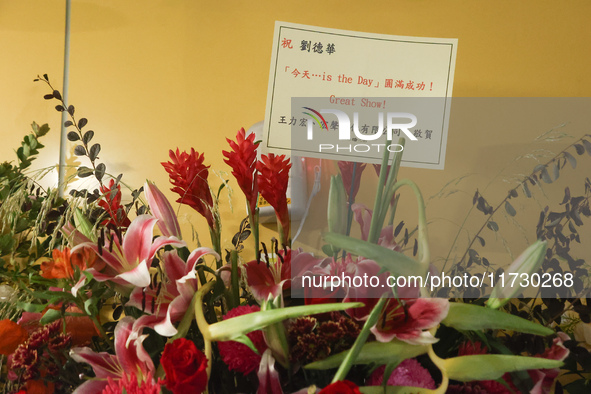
(189, 175)
(11, 336)
(63, 263)
(273, 179)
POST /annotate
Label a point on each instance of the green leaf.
(526, 189)
(375, 352)
(337, 206)
(492, 225)
(587, 145)
(229, 330)
(27, 307)
(94, 151)
(394, 262)
(545, 176)
(83, 225)
(493, 366)
(509, 208)
(469, 317)
(571, 159)
(556, 170)
(83, 172)
(243, 339)
(49, 316)
(100, 171)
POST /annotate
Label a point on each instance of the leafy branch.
(85, 149)
(540, 173)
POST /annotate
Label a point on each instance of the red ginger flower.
(243, 160)
(273, 179)
(189, 177)
(239, 357)
(111, 202)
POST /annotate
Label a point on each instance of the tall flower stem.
(235, 278)
(349, 359)
(439, 363)
(216, 243)
(253, 217)
(384, 194)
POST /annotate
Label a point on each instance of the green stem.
(349, 359)
(439, 363)
(392, 178)
(393, 206)
(185, 324)
(424, 253)
(216, 242)
(203, 325)
(235, 278)
(254, 227)
(95, 321)
(102, 332)
(350, 204)
(373, 230)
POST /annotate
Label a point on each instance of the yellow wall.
(153, 75)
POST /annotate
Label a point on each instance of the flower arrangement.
(202, 320)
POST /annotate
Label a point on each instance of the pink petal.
(161, 208)
(138, 239)
(174, 266)
(104, 365)
(78, 285)
(139, 276)
(196, 255)
(261, 281)
(163, 241)
(268, 376)
(130, 353)
(427, 313)
(362, 216)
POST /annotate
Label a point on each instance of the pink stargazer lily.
(128, 262)
(269, 279)
(409, 320)
(167, 302)
(130, 358)
(162, 210)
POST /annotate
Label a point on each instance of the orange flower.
(11, 336)
(63, 262)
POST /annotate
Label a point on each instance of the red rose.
(185, 367)
(341, 387)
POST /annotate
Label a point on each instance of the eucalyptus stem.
(352, 354)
